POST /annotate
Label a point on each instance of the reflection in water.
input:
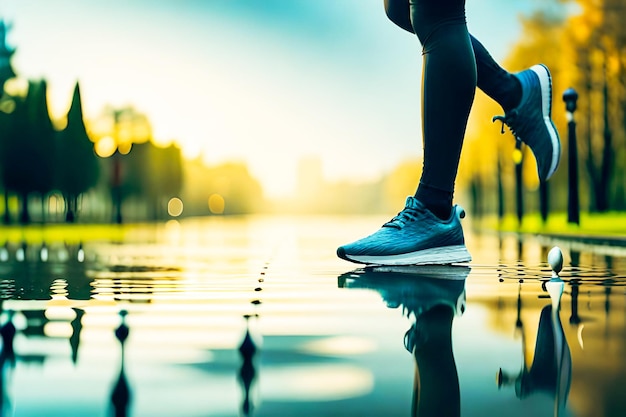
(38, 269)
(120, 397)
(7, 361)
(247, 372)
(551, 368)
(430, 297)
(199, 290)
(7, 331)
(77, 327)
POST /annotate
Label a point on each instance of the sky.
(265, 82)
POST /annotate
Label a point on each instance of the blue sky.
(261, 81)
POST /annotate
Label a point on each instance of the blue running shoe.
(531, 121)
(414, 237)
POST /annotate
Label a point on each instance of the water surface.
(256, 316)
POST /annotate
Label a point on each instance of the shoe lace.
(509, 119)
(405, 216)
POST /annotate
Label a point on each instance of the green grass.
(611, 224)
(68, 233)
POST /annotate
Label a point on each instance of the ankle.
(514, 94)
(438, 202)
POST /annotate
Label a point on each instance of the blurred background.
(153, 110)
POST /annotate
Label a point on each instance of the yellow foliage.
(402, 181)
(227, 188)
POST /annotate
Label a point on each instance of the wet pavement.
(256, 316)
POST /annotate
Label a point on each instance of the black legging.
(454, 64)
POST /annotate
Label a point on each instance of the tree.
(122, 130)
(166, 179)
(29, 148)
(9, 129)
(153, 175)
(587, 52)
(488, 156)
(77, 167)
(598, 39)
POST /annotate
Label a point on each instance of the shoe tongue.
(398, 222)
(412, 203)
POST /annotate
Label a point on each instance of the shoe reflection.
(430, 296)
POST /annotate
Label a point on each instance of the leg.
(436, 390)
(492, 79)
(428, 230)
(448, 86)
(398, 11)
(525, 97)
(495, 81)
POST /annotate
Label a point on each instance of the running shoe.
(531, 121)
(414, 237)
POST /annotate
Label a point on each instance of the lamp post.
(111, 147)
(518, 159)
(500, 190)
(573, 206)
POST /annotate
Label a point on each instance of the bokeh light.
(216, 204)
(105, 147)
(7, 106)
(175, 207)
(56, 204)
(125, 147)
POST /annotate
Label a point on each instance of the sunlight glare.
(340, 345)
(316, 383)
(58, 329)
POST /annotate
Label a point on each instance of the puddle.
(256, 316)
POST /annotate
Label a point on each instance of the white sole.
(448, 272)
(435, 256)
(545, 81)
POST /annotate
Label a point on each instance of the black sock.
(439, 202)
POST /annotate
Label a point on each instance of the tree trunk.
(500, 190)
(70, 212)
(6, 218)
(44, 209)
(24, 214)
(544, 206)
(604, 184)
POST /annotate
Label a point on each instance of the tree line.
(106, 170)
(37, 160)
(583, 42)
